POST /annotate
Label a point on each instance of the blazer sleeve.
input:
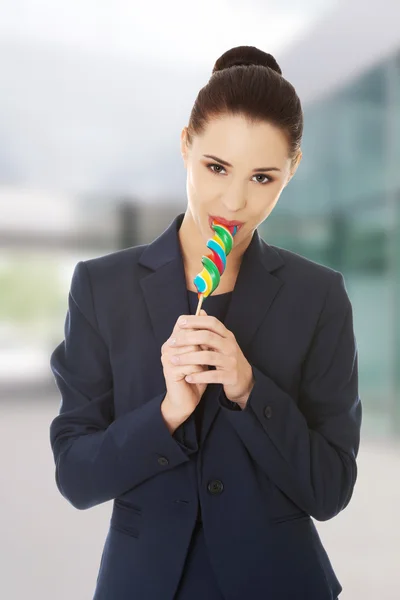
(308, 449)
(98, 457)
(180, 436)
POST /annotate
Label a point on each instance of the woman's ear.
(184, 149)
(294, 165)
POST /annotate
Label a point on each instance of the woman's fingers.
(179, 372)
(183, 350)
(207, 357)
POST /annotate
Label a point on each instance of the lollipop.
(214, 263)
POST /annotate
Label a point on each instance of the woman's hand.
(182, 398)
(231, 367)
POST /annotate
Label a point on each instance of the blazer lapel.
(165, 289)
(166, 298)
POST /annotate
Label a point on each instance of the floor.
(51, 551)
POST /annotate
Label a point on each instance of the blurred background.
(94, 95)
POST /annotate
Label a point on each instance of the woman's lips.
(230, 227)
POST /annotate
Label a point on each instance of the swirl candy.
(214, 263)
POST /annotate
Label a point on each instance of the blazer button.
(268, 412)
(215, 486)
(163, 461)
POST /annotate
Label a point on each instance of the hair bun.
(246, 55)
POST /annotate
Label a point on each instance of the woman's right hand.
(183, 397)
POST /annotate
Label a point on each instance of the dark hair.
(249, 82)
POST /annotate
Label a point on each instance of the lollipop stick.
(199, 305)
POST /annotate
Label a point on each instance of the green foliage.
(30, 292)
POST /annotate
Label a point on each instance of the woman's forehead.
(234, 139)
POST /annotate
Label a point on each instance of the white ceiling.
(173, 30)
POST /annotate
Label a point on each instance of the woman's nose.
(234, 201)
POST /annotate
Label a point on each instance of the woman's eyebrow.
(224, 162)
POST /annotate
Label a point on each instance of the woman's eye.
(214, 166)
(266, 178)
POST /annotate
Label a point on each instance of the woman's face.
(236, 192)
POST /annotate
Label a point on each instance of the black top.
(214, 305)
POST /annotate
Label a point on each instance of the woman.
(215, 478)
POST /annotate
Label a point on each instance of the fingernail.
(175, 359)
(189, 378)
(182, 321)
(172, 342)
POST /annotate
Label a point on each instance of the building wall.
(342, 208)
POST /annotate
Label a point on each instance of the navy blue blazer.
(260, 475)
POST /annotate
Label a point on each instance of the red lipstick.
(229, 224)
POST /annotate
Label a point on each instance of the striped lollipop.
(214, 264)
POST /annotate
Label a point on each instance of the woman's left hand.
(219, 349)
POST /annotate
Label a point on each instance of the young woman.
(218, 438)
